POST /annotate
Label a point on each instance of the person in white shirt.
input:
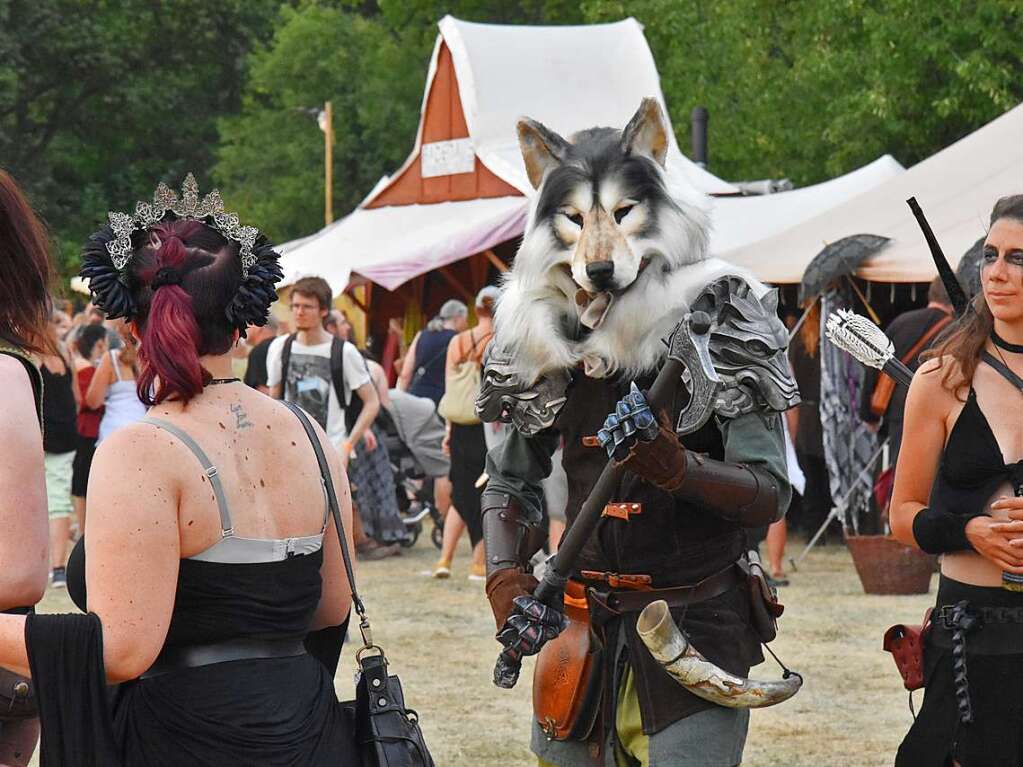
(327, 378)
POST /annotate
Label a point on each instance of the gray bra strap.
(207, 466)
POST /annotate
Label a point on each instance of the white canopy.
(745, 221)
(957, 187)
(394, 244)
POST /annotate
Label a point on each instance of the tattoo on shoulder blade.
(241, 417)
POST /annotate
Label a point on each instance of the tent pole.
(802, 319)
(863, 298)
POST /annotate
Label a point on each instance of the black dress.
(972, 468)
(256, 711)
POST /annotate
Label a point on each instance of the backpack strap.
(285, 363)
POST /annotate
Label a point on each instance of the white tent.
(956, 188)
(569, 78)
(743, 221)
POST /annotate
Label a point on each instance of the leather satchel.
(566, 681)
(885, 386)
(387, 733)
(17, 697)
(906, 644)
(765, 609)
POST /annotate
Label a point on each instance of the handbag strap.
(328, 483)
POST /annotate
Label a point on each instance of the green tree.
(100, 100)
(810, 89)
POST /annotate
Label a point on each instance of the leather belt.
(180, 657)
(676, 596)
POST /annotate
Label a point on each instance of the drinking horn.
(673, 650)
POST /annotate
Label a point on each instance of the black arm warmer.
(941, 532)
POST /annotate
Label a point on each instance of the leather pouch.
(906, 644)
(765, 609)
(566, 682)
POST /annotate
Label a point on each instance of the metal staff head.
(860, 337)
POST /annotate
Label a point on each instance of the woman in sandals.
(208, 564)
(958, 489)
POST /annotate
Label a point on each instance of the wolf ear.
(541, 148)
(647, 133)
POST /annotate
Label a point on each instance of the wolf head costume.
(613, 258)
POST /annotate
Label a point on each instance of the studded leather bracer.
(734, 491)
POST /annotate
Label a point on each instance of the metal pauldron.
(734, 491)
(529, 406)
(506, 532)
(747, 346)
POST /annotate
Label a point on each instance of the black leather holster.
(734, 491)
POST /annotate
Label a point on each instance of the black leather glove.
(530, 625)
(643, 444)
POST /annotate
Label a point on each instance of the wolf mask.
(614, 251)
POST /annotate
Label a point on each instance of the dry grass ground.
(439, 638)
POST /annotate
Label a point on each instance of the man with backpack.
(327, 378)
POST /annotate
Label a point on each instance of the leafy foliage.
(100, 100)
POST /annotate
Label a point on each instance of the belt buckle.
(945, 615)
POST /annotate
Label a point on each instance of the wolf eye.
(622, 212)
(575, 218)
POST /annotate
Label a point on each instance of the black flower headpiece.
(107, 253)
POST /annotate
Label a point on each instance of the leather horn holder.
(906, 644)
(566, 682)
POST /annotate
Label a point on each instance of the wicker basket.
(886, 566)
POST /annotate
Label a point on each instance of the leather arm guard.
(734, 491)
(510, 540)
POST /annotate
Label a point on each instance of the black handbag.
(387, 733)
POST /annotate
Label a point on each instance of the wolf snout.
(600, 273)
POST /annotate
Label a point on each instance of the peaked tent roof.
(743, 221)
(957, 187)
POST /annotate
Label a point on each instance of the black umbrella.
(838, 259)
(968, 271)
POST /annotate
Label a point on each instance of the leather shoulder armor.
(747, 346)
(529, 406)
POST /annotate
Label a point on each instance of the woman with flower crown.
(202, 572)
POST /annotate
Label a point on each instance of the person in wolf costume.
(613, 258)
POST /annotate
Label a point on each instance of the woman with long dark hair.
(958, 488)
(204, 563)
(25, 274)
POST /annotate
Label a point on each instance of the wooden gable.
(443, 121)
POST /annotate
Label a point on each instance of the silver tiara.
(188, 206)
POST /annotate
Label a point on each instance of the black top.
(431, 356)
(806, 369)
(60, 413)
(255, 374)
(904, 331)
(972, 465)
(273, 711)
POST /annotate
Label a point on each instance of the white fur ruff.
(537, 293)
